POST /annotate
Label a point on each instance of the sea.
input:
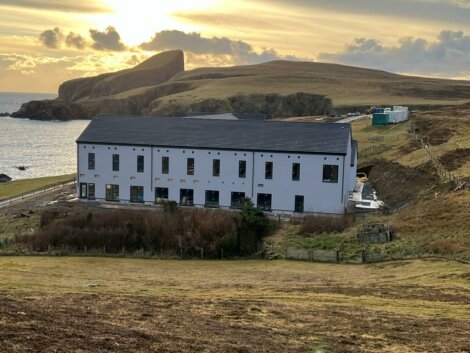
(44, 148)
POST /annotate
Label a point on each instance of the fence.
(141, 253)
(5, 202)
(313, 255)
(444, 175)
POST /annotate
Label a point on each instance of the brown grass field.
(231, 306)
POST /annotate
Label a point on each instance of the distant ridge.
(161, 86)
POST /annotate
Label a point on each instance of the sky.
(46, 42)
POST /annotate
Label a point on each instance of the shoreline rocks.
(4, 178)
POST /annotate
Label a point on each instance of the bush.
(253, 226)
(326, 224)
(176, 229)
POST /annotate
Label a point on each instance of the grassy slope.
(23, 186)
(438, 220)
(346, 86)
(232, 306)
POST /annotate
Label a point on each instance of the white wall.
(319, 196)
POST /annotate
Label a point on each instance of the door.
(299, 203)
(83, 190)
(91, 191)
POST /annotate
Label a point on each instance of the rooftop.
(248, 135)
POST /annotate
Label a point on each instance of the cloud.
(109, 39)
(51, 38)
(448, 56)
(90, 6)
(75, 41)
(236, 51)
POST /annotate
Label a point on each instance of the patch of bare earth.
(32, 322)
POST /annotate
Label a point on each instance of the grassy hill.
(160, 86)
(428, 213)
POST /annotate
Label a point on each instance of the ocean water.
(45, 148)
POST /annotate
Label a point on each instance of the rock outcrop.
(111, 93)
(4, 178)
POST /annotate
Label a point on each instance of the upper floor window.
(242, 169)
(330, 173)
(115, 162)
(268, 170)
(190, 166)
(91, 161)
(295, 171)
(165, 165)
(216, 167)
(140, 164)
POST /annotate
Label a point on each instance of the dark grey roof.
(251, 135)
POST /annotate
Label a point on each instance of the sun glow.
(137, 20)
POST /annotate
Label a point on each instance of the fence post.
(337, 256)
(222, 253)
(363, 256)
(202, 253)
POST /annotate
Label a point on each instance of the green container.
(379, 119)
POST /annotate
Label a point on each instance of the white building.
(283, 167)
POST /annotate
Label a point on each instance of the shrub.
(326, 224)
(253, 226)
(188, 230)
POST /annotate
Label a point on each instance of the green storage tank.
(380, 119)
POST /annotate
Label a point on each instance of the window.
(330, 173)
(115, 162)
(91, 161)
(190, 166)
(216, 167)
(264, 202)
(296, 171)
(83, 191)
(137, 194)
(299, 203)
(212, 198)
(186, 197)
(161, 194)
(140, 164)
(237, 199)
(91, 191)
(242, 169)
(165, 165)
(112, 192)
(268, 170)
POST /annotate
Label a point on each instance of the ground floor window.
(212, 198)
(186, 197)
(299, 203)
(161, 194)
(330, 173)
(137, 194)
(91, 191)
(264, 202)
(237, 199)
(112, 192)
